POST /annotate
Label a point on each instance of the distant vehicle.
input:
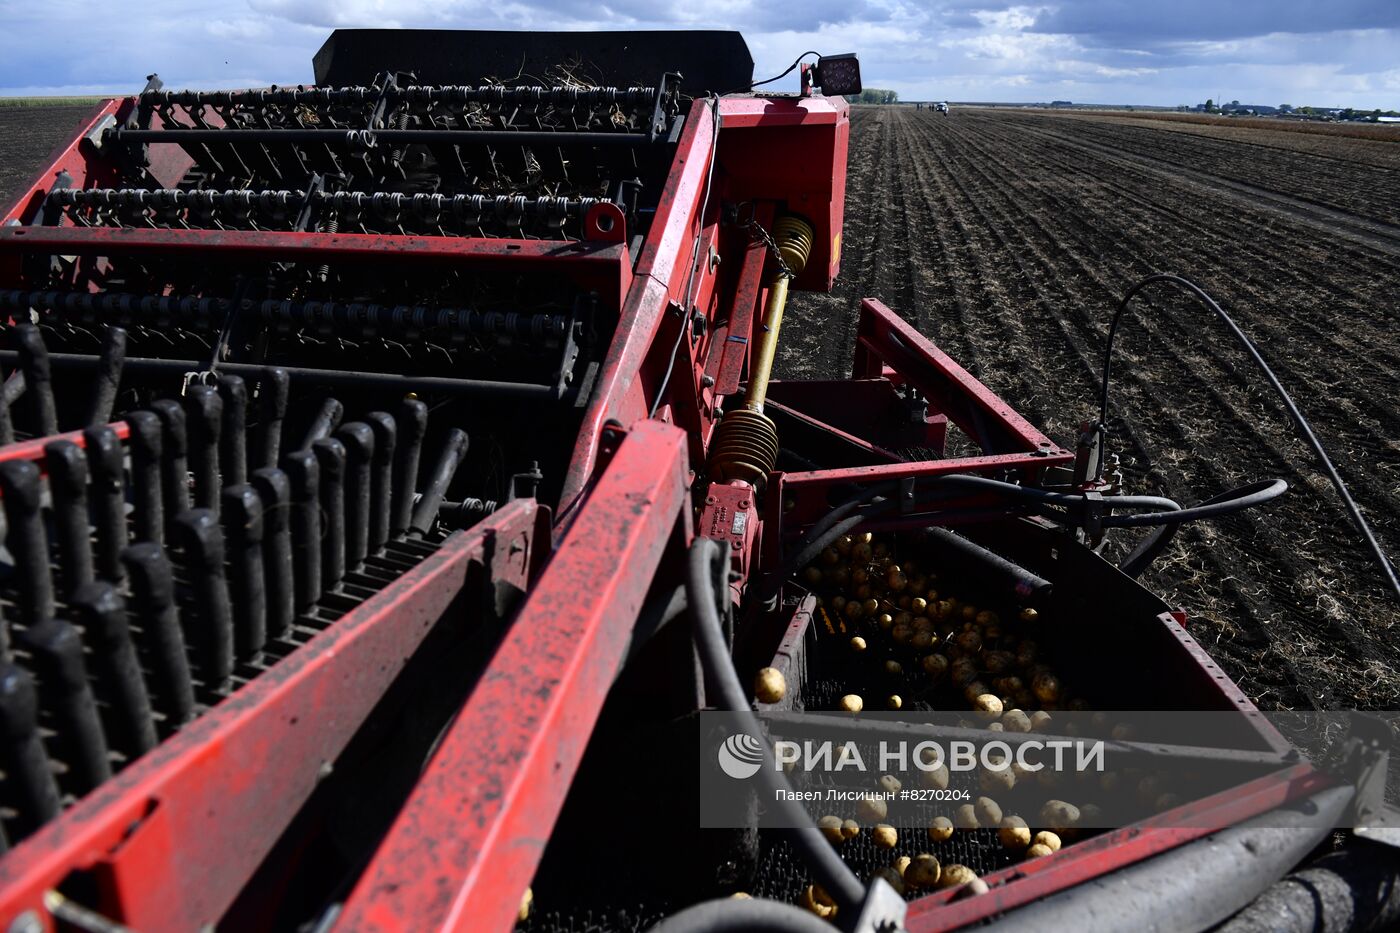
(941, 106)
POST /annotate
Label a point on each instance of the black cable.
(1300, 422)
(789, 70)
(835, 876)
(742, 915)
(694, 263)
(1154, 544)
(1245, 497)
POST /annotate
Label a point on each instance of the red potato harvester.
(392, 473)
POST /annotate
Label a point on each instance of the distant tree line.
(873, 95)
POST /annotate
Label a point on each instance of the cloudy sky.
(1167, 52)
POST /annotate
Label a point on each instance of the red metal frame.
(465, 846)
(156, 838)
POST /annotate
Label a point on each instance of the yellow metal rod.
(767, 345)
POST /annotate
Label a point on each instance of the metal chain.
(757, 232)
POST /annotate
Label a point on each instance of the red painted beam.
(466, 845)
(171, 840)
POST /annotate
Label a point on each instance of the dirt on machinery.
(1009, 236)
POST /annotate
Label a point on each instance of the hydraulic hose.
(1236, 500)
(1154, 544)
(705, 556)
(1299, 421)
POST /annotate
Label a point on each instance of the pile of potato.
(898, 609)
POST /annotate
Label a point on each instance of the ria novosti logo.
(740, 756)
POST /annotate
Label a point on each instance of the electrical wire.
(694, 261)
(789, 70)
(707, 556)
(1299, 421)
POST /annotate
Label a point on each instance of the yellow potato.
(935, 664)
(885, 621)
(921, 640)
(894, 701)
(969, 641)
(812, 575)
(829, 556)
(890, 783)
(1059, 815)
(818, 901)
(850, 829)
(1014, 833)
(901, 864)
(955, 875)
(851, 703)
(1029, 615)
(941, 829)
(831, 828)
(769, 686)
(987, 810)
(890, 876)
(872, 809)
(885, 836)
(1047, 839)
(988, 705)
(843, 544)
(987, 617)
(975, 887)
(1038, 850)
(858, 644)
(894, 668)
(918, 605)
(1016, 721)
(741, 896)
(896, 580)
(965, 817)
(1040, 719)
(527, 903)
(996, 780)
(936, 778)
(923, 871)
(1047, 689)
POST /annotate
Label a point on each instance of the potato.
(741, 896)
(853, 611)
(871, 606)
(890, 784)
(818, 901)
(1025, 653)
(1122, 731)
(1048, 839)
(955, 875)
(852, 703)
(998, 662)
(885, 621)
(901, 633)
(894, 701)
(975, 887)
(965, 817)
(1059, 815)
(885, 836)
(812, 576)
(769, 686)
(838, 604)
(975, 689)
(829, 556)
(923, 871)
(896, 579)
(987, 810)
(1029, 615)
(1039, 850)
(843, 545)
(1090, 815)
(1014, 833)
(894, 668)
(858, 644)
(1047, 688)
(890, 876)
(935, 664)
(862, 552)
(969, 641)
(987, 705)
(941, 829)
(527, 903)
(1040, 719)
(830, 826)
(987, 617)
(872, 809)
(963, 671)
(936, 778)
(995, 727)
(901, 864)
(996, 781)
(1016, 721)
(921, 640)
(918, 605)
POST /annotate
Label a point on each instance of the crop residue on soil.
(1008, 237)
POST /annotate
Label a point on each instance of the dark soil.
(27, 136)
(1009, 236)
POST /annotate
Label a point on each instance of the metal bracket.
(883, 910)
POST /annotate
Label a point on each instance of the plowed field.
(1009, 236)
